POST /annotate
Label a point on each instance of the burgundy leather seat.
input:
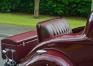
(51, 28)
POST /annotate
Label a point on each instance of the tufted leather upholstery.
(52, 28)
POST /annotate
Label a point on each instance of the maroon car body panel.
(22, 43)
(54, 45)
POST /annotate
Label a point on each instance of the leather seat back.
(52, 28)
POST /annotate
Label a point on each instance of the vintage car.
(54, 43)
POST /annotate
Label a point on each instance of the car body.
(54, 43)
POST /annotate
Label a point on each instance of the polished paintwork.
(22, 43)
(77, 47)
(73, 49)
(52, 58)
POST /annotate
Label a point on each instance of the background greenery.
(29, 20)
(50, 7)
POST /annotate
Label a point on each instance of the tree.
(36, 9)
(92, 6)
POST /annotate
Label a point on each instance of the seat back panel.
(52, 28)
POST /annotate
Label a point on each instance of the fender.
(51, 57)
(59, 42)
(77, 51)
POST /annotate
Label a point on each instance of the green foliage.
(50, 7)
(29, 20)
(16, 5)
(66, 7)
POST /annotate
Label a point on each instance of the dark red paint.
(59, 45)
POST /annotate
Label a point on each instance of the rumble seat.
(52, 28)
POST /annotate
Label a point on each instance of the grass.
(29, 20)
(76, 22)
(21, 19)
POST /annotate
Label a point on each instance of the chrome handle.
(41, 51)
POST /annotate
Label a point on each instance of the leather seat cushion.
(52, 28)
